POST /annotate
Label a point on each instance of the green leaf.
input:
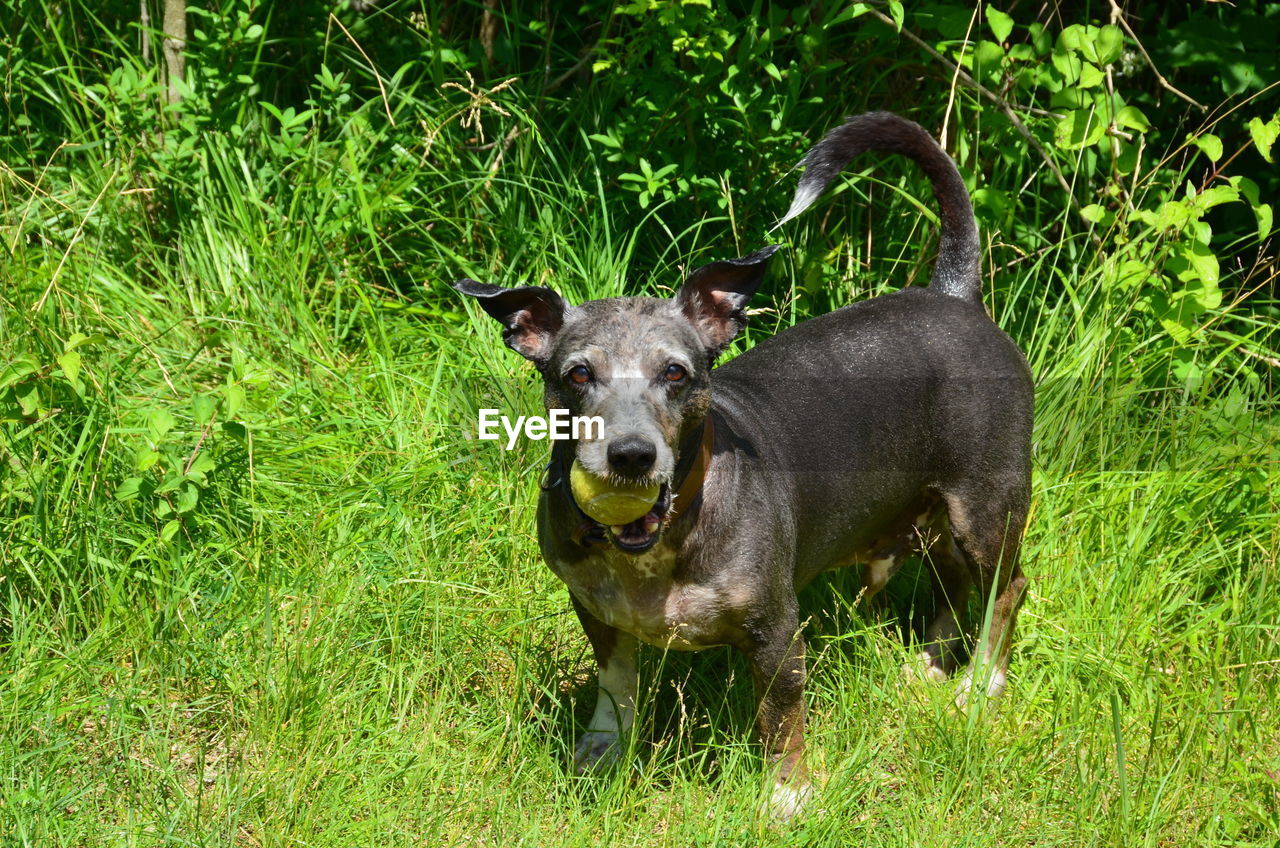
(30, 401)
(18, 368)
(1266, 219)
(1078, 128)
(171, 481)
(1264, 135)
(1071, 37)
(1210, 145)
(204, 407)
(1175, 314)
(1262, 211)
(272, 109)
(897, 13)
(159, 422)
(1022, 53)
(1090, 76)
(991, 202)
(1108, 44)
(202, 465)
(234, 395)
(170, 530)
(1195, 264)
(1068, 64)
(1130, 117)
(606, 140)
(1131, 274)
(1173, 215)
(1000, 23)
(1215, 196)
(987, 56)
(70, 364)
(1093, 213)
(1128, 158)
(187, 498)
(128, 489)
(79, 339)
(144, 459)
(1040, 38)
(1201, 232)
(1188, 372)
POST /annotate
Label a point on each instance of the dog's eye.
(580, 374)
(674, 373)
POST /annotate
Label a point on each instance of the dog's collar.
(691, 487)
(589, 533)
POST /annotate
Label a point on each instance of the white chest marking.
(637, 593)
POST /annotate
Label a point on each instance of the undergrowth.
(259, 585)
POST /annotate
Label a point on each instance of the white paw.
(787, 801)
(595, 750)
(995, 687)
(925, 667)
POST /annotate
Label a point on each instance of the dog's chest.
(642, 595)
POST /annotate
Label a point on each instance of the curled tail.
(956, 271)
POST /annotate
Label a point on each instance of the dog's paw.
(925, 667)
(996, 681)
(787, 801)
(595, 750)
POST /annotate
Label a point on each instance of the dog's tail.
(956, 271)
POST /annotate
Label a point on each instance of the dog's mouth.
(642, 534)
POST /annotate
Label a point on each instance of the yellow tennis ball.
(609, 502)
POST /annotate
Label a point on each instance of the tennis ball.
(609, 502)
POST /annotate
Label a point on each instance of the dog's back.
(872, 407)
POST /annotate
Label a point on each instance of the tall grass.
(259, 587)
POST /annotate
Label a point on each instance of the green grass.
(258, 587)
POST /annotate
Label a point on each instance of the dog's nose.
(632, 455)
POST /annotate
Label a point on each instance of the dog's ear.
(715, 296)
(530, 315)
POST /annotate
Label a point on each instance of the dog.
(893, 423)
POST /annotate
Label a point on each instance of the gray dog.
(897, 423)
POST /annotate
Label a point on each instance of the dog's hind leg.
(949, 576)
(987, 527)
(615, 653)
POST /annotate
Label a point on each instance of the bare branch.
(1117, 16)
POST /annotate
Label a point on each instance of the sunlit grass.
(317, 614)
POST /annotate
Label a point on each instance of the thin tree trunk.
(146, 33)
(175, 40)
(488, 28)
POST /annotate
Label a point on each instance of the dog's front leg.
(778, 670)
(615, 653)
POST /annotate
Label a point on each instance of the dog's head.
(642, 365)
